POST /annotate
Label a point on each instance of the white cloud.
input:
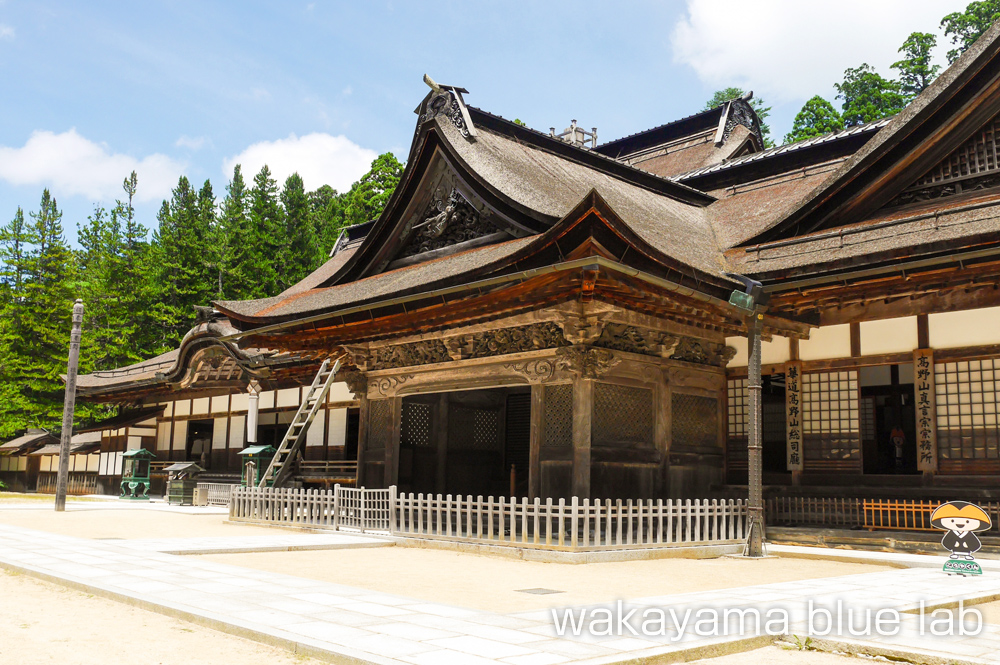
(191, 143)
(321, 159)
(6, 31)
(794, 49)
(72, 165)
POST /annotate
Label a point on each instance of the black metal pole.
(69, 406)
(755, 541)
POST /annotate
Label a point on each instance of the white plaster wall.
(889, 336)
(134, 442)
(219, 433)
(266, 419)
(974, 327)
(182, 408)
(180, 434)
(338, 427)
(93, 462)
(163, 436)
(285, 417)
(826, 342)
(241, 402)
(741, 359)
(314, 435)
(236, 427)
(287, 397)
(220, 404)
(117, 470)
(340, 393)
(199, 406)
(775, 352)
(169, 410)
(266, 400)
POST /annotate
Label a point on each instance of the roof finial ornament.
(447, 100)
(433, 84)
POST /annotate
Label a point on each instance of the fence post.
(392, 509)
(574, 520)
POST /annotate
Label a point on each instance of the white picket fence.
(218, 493)
(553, 525)
(346, 508)
(571, 525)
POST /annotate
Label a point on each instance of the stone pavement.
(238, 544)
(346, 624)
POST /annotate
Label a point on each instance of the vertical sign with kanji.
(923, 389)
(793, 414)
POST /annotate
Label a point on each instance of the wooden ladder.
(280, 466)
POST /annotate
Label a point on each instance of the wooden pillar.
(535, 445)
(661, 430)
(440, 433)
(392, 449)
(583, 413)
(362, 439)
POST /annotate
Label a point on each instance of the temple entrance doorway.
(466, 442)
(888, 419)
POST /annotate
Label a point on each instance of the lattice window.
(379, 424)
(416, 425)
(831, 416)
(474, 429)
(695, 420)
(978, 155)
(558, 416)
(968, 400)
(622, 414)
(738, 406)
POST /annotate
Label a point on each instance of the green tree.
(328, 211)
(33, 343)
(816, 118)
(267, 226)
(234, 243)
(368, 196)
(180, 269)
(915, 70)
(966, 27)
(757, 104)
(300, 254)
(867, 96)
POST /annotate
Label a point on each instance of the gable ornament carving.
(447, 104)
(536, 371)
(621, 337)
(448, 221)
(703, 352)
(532, 337)
(407, 355)
(357, 382)
(588, 362)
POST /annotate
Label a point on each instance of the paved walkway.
(337, 621)
(237, 544)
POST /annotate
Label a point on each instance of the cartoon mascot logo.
(961, 520)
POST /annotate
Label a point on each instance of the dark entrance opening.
(888, 419)
(773, 430)
(351, 439)
(199, 443)
(465, 442)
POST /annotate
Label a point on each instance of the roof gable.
(957, 105)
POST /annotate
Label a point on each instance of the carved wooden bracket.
(586, 361)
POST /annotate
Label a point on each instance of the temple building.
(543, 315)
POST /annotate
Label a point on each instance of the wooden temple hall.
(548, 316)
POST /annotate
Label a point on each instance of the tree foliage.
(140, 293)
(756, 103)
(816, 118)
(966, 27)
(915, 70)
(867, 96)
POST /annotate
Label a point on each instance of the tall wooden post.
(535, 446)
(253, 410)
(755, 543)
(69, 406)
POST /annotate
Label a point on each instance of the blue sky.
(92, 90)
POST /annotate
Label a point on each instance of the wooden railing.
(871, 514)
(76, 484)
(343, 472)
(555, 525)
(574, 525)
(218, 493)
(342, 508)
